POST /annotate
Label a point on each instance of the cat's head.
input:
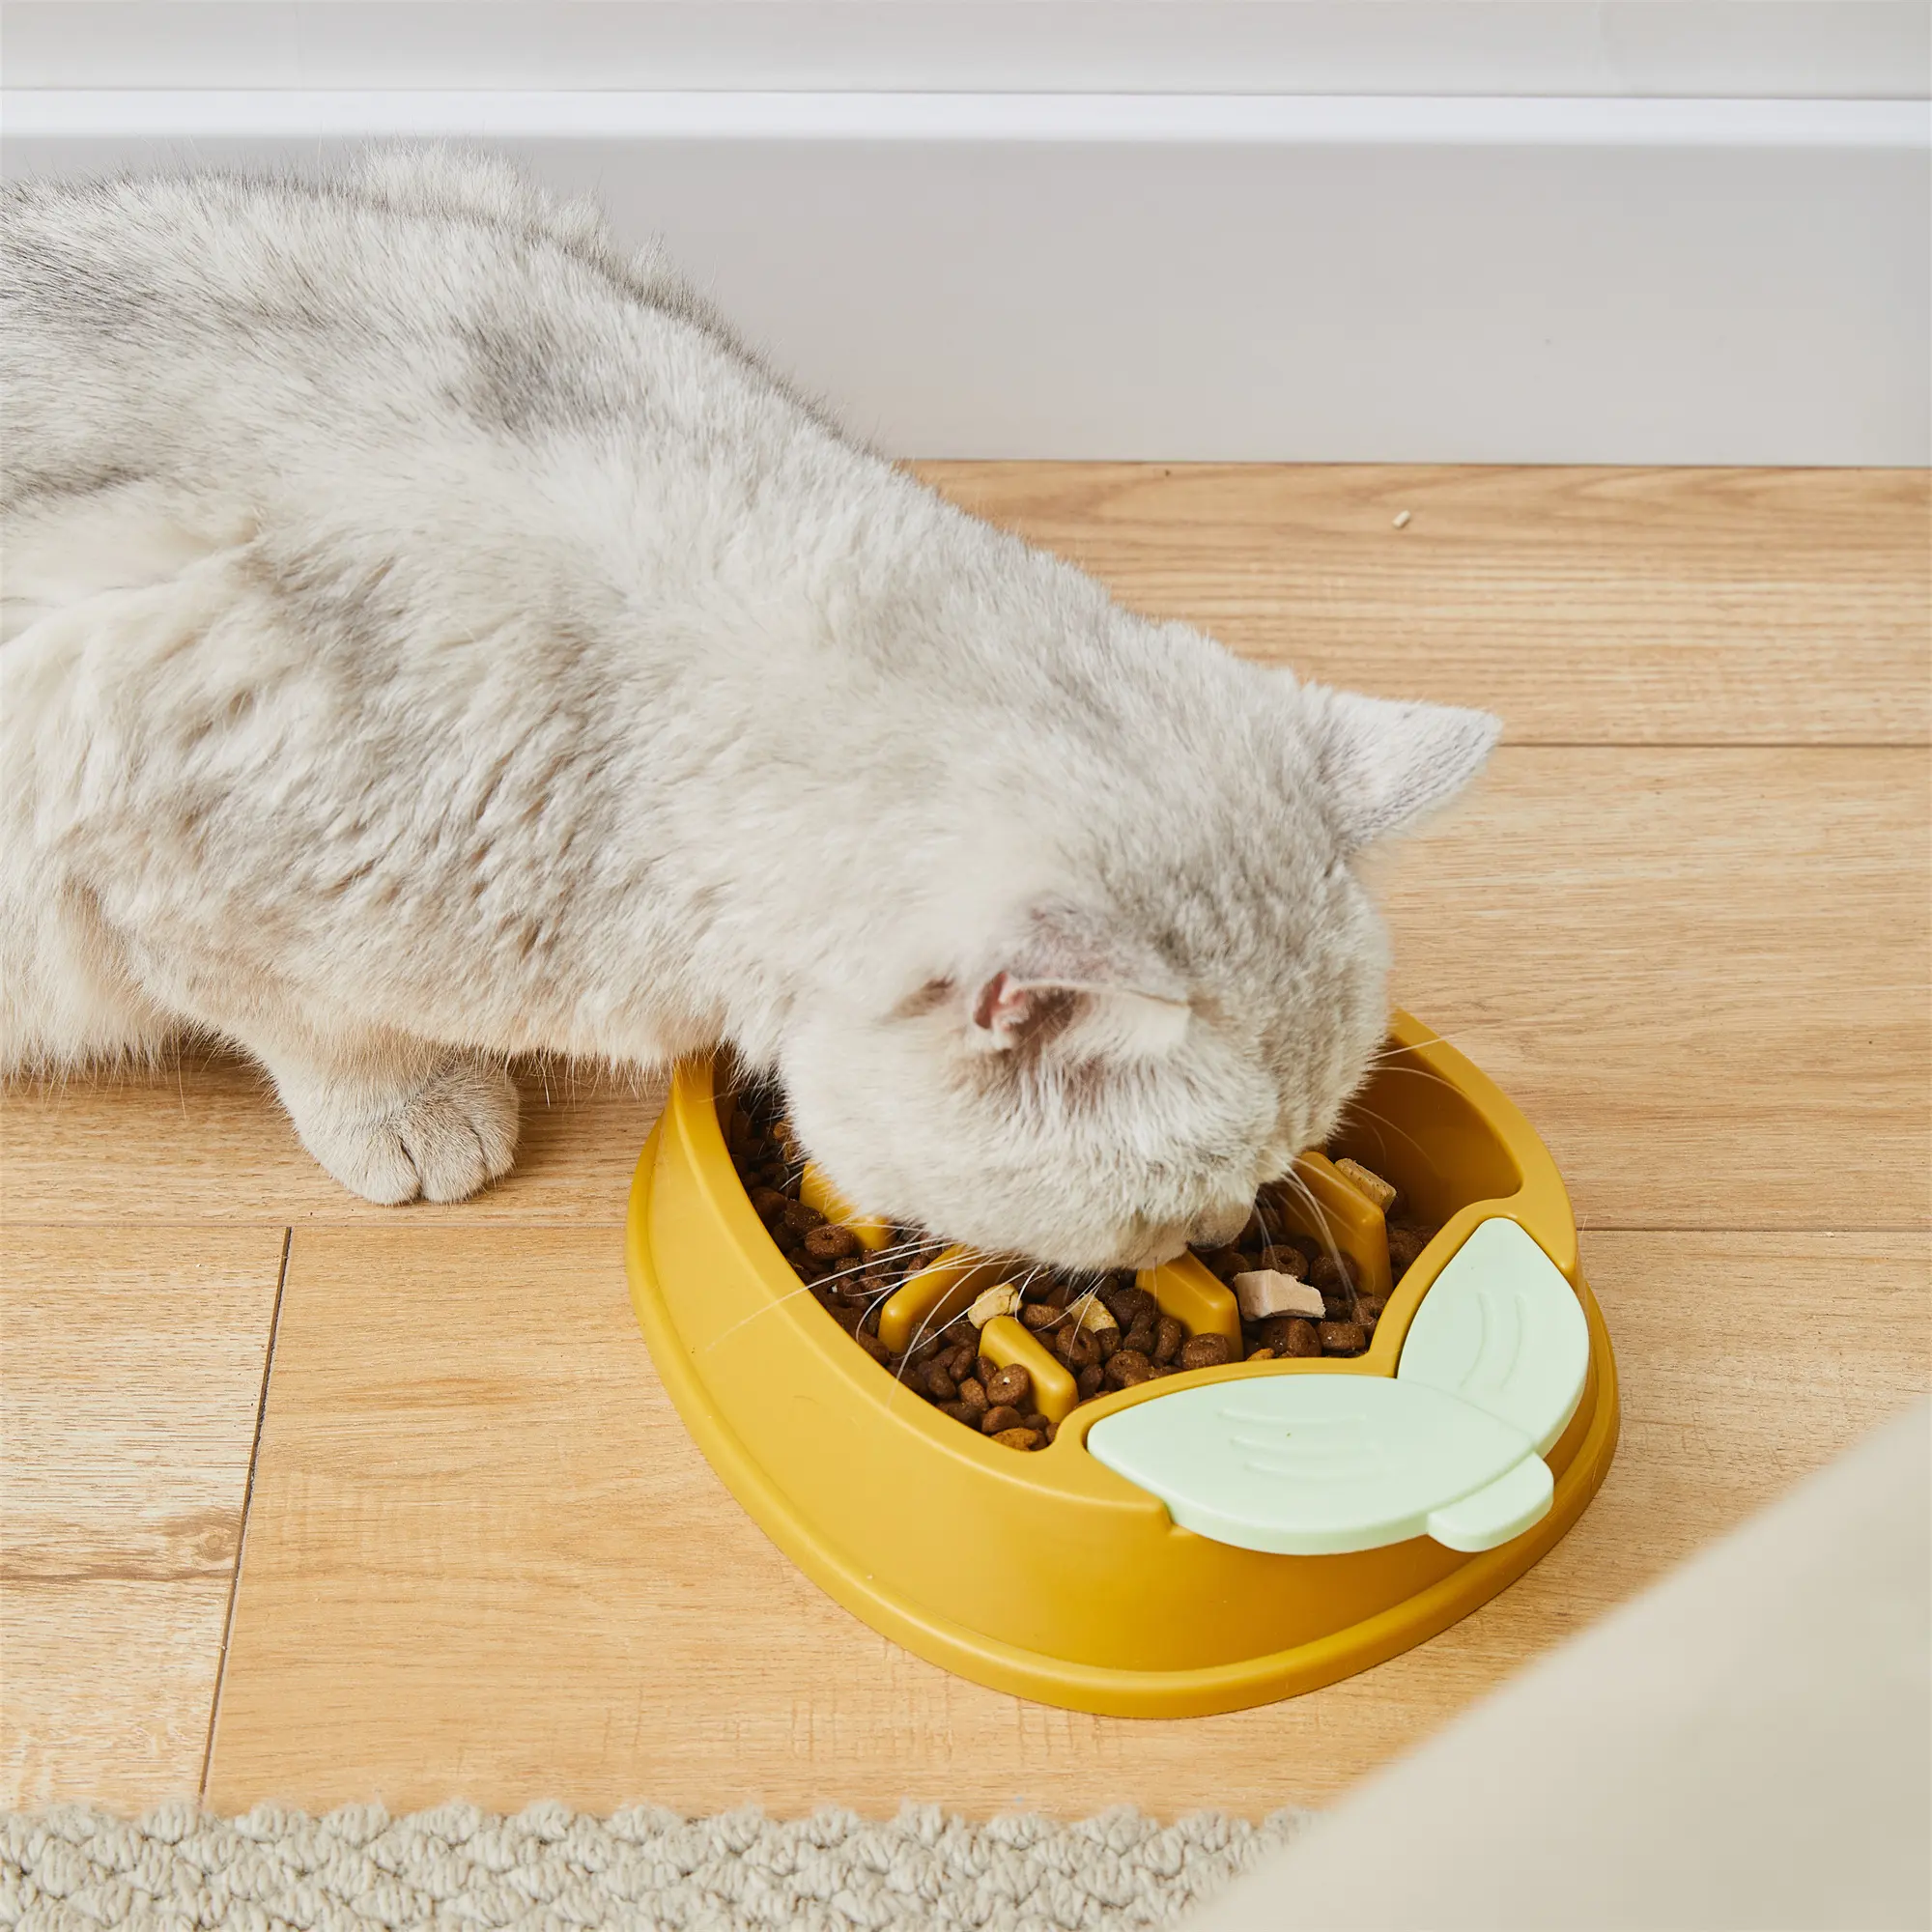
(1160, 988)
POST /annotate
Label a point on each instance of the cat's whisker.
(912, 1348)
(1390, 1049)
(1320, 1220)
(1418, 1073)
(1369, 1115)
(1262, 1209)
(1360, 1117)
(789, 1295)
(1390, 1056)
(764, 1308)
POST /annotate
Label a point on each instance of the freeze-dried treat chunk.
(993, 1303)
(1366, 1181)
(1263, 1292)
(1090, 1315)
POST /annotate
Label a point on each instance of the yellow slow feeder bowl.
(1053, 1575)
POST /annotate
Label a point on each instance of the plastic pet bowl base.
(690, 1221)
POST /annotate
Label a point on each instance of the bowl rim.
(1540, 1203)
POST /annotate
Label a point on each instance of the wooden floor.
(316, 1501)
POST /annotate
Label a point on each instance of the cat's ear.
(1011, 1014)
(1386, 763)
(1066, 982)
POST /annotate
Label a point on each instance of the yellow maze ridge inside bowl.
(1102, 1598)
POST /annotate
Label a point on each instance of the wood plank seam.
(247, 1501)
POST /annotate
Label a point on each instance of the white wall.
(1207, 250)
(1820, 49)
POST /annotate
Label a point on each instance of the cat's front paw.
(439, 1138)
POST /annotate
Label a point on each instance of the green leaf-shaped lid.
(1314, 1464)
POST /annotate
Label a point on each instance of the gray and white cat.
(429, 637)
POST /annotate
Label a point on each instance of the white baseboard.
(1694, 49)
(1588, 280)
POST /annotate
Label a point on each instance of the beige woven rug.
(548, 1869)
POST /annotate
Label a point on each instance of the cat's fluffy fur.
(429, 637)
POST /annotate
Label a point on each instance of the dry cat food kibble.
(1296, 1302)
(1297, 1299)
